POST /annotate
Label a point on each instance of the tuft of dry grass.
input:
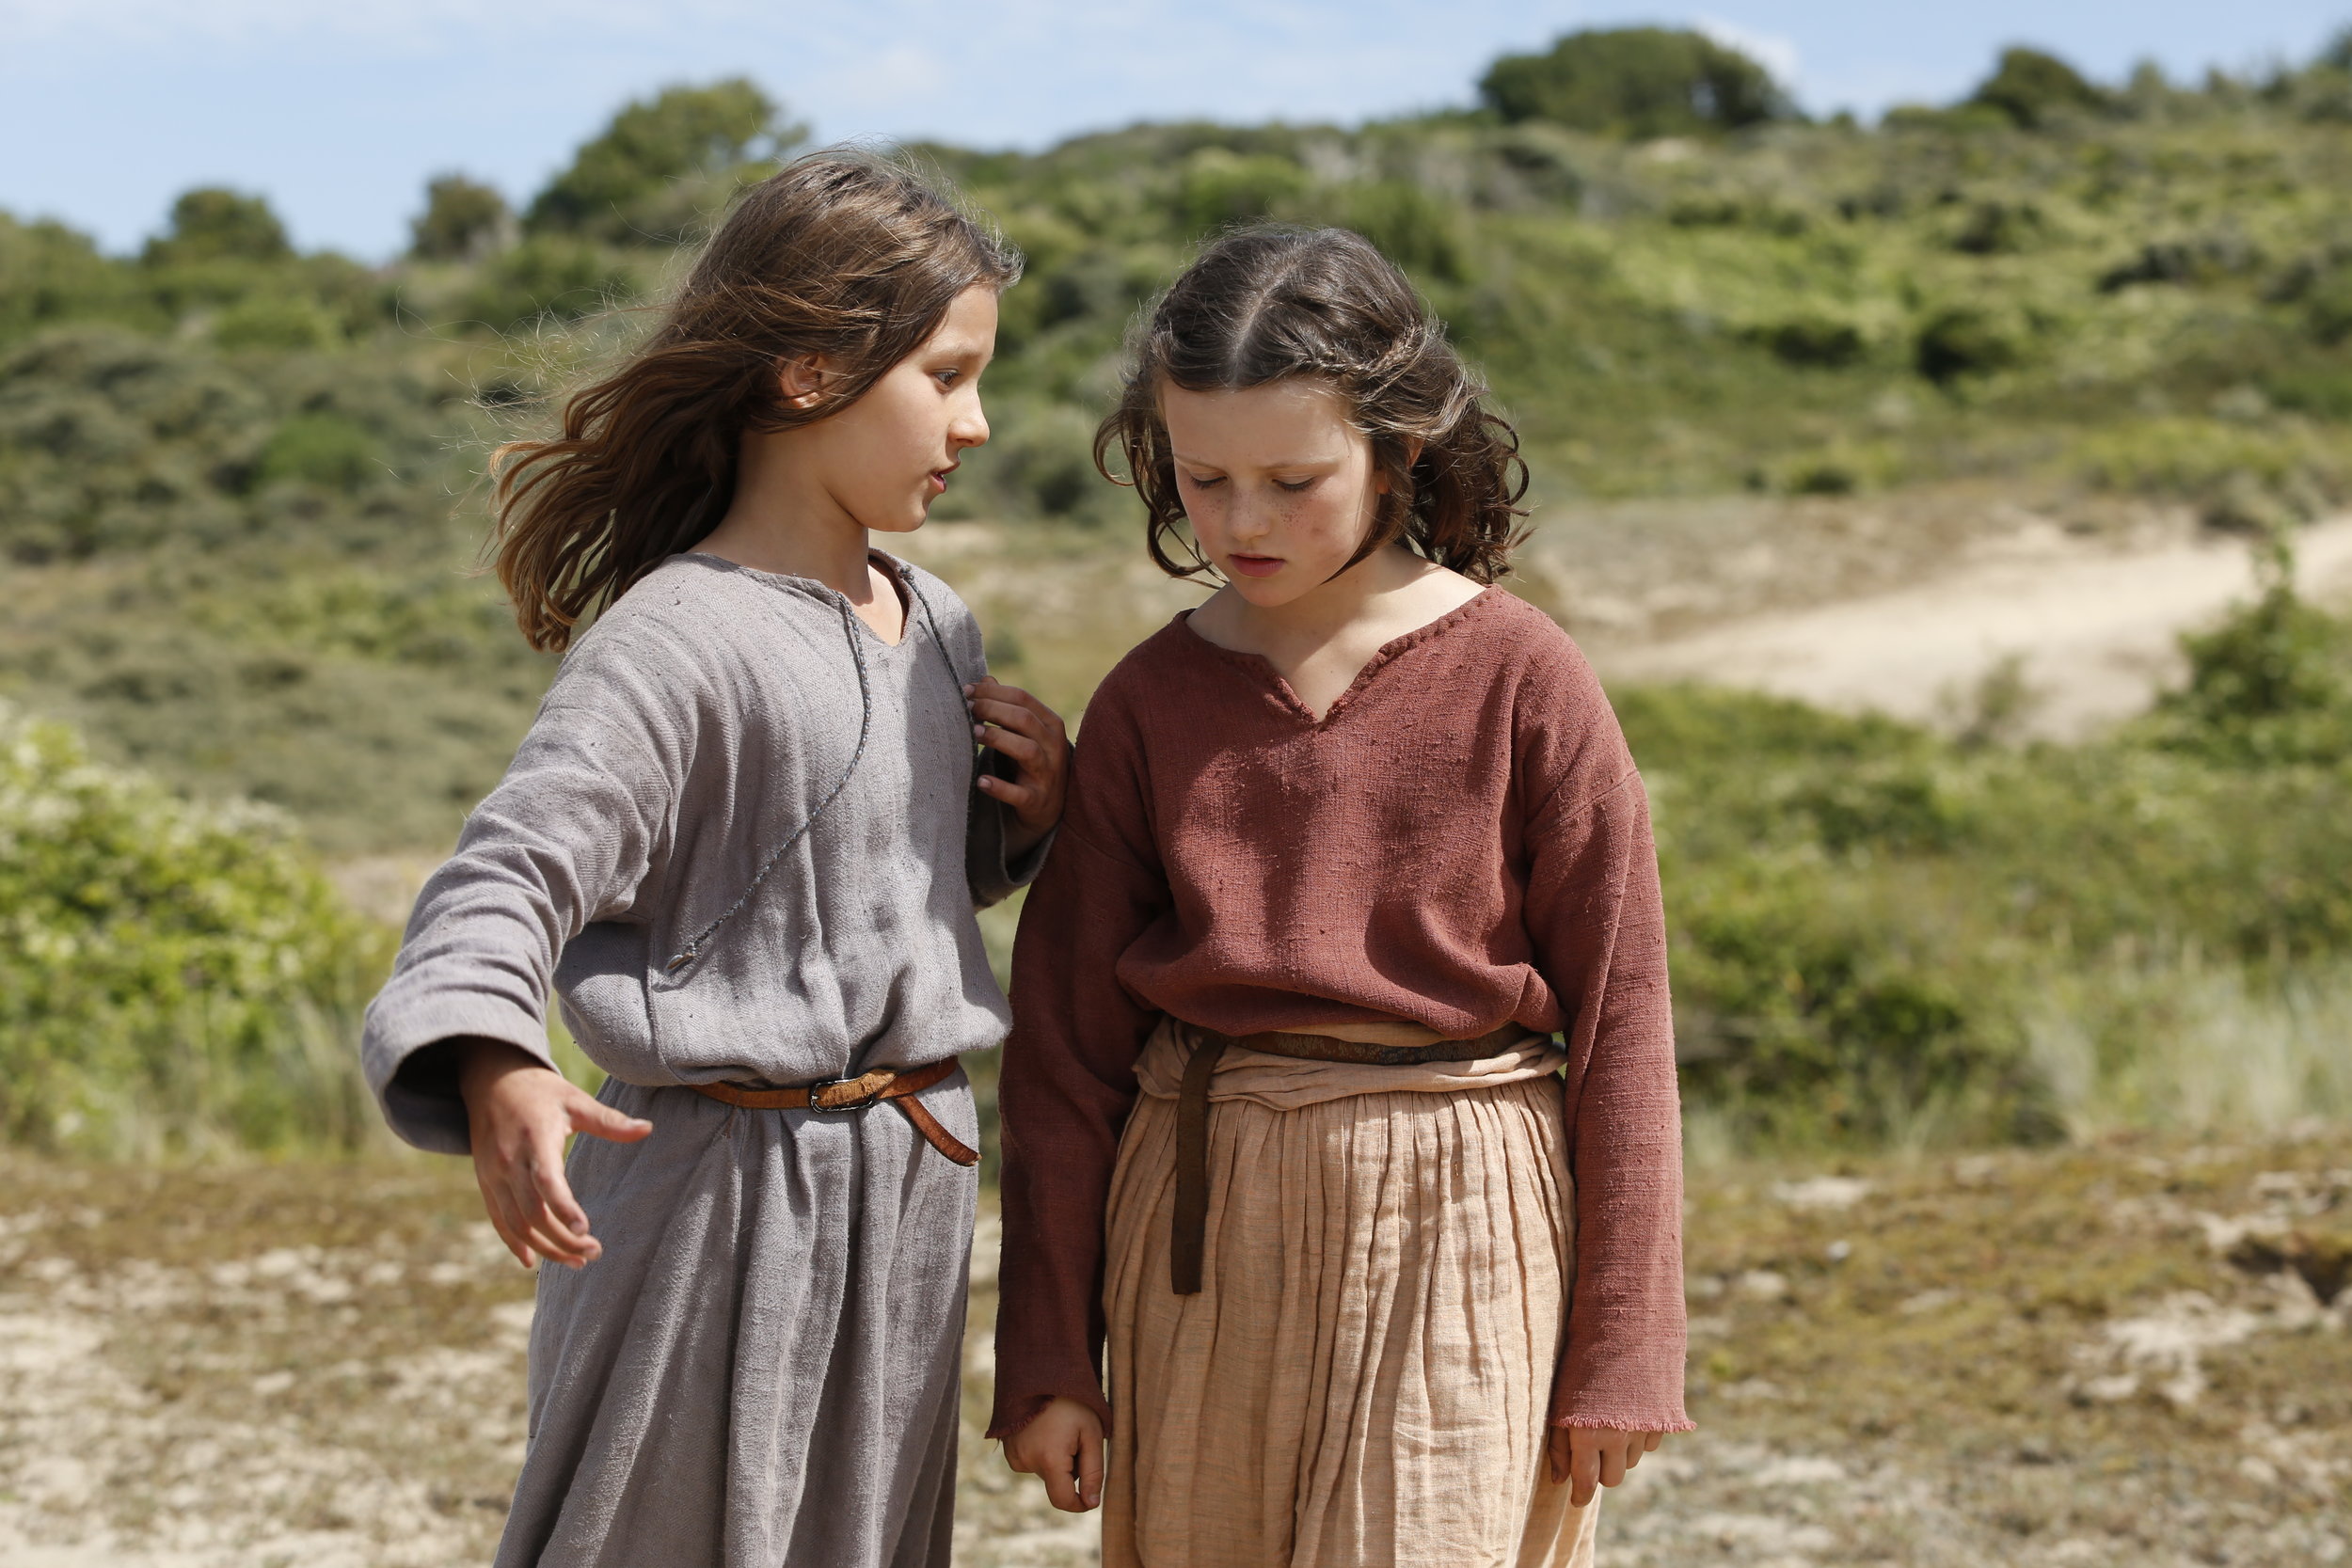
(2116, 1353)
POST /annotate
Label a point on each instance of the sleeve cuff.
(428, 1110)
(1014, 1412)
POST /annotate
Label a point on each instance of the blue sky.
(339, 111)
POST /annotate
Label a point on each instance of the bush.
(213, 224)
(2032, 87)
(463, 221)
(277, 324)
(173, 976)
(1638, 82)
(549, 277)
(1964, 340)
(2270, 686)
(1216, 189)
(665, 163)
(1814, 340)
(108, 440)
(1414, 229)
(323, 449)
(1870, 921)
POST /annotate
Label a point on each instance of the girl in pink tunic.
(1340, 1107)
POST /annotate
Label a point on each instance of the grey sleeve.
(991, 873)
(566, 838)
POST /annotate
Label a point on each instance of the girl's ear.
(804, 379)
(1381, 476)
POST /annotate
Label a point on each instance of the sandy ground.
(2093, 629)
(2115, 1355)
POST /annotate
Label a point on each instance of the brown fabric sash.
(1190, 1220)
(856, 1094)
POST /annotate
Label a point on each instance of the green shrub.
(2258, 478)
(109, 440)
(1999, 229)
(2032, 87)
(1216, 189)
(213, 224)
(463, 219)
(282, 324)
(1413, 227)
(323, 449)
(173, 976)
(550, 277)
(50, 275)
(665, 163)
(1964, 340)
(1636, 82)
(1870, 921)
(2270, 686)
(1814, 340)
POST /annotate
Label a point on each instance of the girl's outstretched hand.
(519, 1114)
(1590, 1457)
(1062, 1446)
(1008, 719)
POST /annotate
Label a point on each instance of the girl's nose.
(969, 430)
(1250, 519)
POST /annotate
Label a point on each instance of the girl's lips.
(938, 481)
(1257, 565)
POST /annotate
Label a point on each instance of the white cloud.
(164, 22)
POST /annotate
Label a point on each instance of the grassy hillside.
(241, 499)
(239, 486)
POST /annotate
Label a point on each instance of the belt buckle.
(859, 1104)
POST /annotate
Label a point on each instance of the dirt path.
(2093, 629)
(2106, 1357)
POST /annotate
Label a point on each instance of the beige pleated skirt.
(1364, 1377)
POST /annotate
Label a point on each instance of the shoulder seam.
(1630, 776)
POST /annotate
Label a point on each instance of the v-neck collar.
(892, 568)
(1262, 667)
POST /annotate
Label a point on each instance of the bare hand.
(1062, 1446)
(519, 1114)
(1590, 1457)
(1010, 722)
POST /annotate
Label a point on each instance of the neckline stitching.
(1402, 643)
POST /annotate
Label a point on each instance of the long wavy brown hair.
(1267, 302)
(843, 254)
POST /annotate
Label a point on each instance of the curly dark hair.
(841, 253)
(1263, 302)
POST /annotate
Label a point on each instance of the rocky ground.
(2134, 1354)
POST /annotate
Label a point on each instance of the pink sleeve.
(1069, 1077)
(1598, 923)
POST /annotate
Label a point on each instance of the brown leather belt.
(856, 1094)
(1191, 1219)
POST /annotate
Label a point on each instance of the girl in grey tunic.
(742, 842)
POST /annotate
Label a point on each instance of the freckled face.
(887, 456)
(1279, 488)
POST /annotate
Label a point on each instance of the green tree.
(2272, 684)
(1636, 82)
(215, 223)
(463, 219)
(665, 161)
(2029, 87)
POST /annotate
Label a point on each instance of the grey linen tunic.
(763, 1367)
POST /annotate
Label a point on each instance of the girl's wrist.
(481, 1063)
